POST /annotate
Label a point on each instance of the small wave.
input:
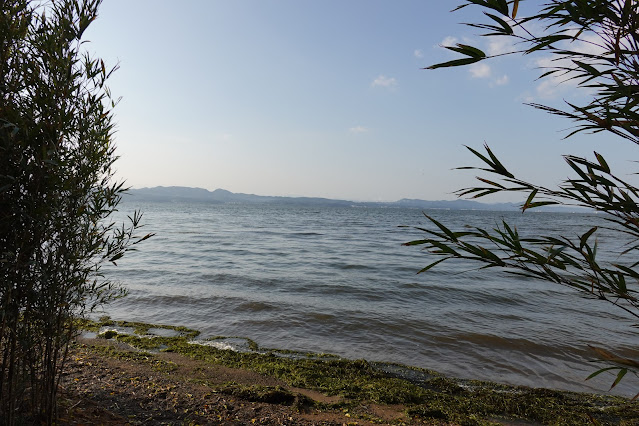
(256, 307)
(244, 280)
(503, 343)
(351, 266)
(348, 266)
(318, 316)
(412, 285)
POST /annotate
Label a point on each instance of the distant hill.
(221, 196)
(200, 195)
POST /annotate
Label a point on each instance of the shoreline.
(299, 388)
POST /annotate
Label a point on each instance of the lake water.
(338, 280)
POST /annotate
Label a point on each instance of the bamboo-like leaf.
(515, 8)
(627, 270)
(443, 248)
(620, 375)
(602, 163)
(454, 63)
(432, 265)
(623, 288)
(467, 50)
(588, 68)
(529, 200)
(447, 231)
(507, 29)
(416, 243)
(482, 157)
(501, 6)
(602, 370)
(578, 170)
(609, 356)
(546, 74)
(584, 238)
(116, 257)
(497, 164)
(490, 182)
(547, 42)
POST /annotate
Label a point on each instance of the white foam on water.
(163, 332)
(218, 344)
(119, 330)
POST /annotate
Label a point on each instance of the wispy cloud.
(418, 53)
(448, 41)
(480, 70)
(383, 81)
(358, 129)
(484, 71)
(501, 81)
(499, 46)
(549, 88)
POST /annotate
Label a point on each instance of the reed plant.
(57, 191)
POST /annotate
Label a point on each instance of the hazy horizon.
(455, 198)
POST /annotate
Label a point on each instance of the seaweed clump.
(426, 395)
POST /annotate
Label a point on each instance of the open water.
(338, 280)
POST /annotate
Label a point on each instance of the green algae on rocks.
(426, 394)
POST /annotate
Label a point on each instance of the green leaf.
(588, 68)
(497, 164)
(416, 243)
(448, 232)
(547, 42)
(467, 50)
(454, 63)
(490, 182)
(598, 372)
(529, 200)
(628, 271)
(432, 264)
(622, 373)
(602, 162)
(584, 238)
(507, 28)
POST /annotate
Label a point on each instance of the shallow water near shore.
(337, 280)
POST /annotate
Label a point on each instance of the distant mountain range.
(221, 196)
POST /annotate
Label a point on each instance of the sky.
(325, 99)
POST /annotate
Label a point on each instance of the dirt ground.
(170, 389)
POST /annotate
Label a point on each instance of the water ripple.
(338, 280)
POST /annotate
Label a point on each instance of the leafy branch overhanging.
(595, 45)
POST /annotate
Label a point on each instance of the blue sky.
(323, 98)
